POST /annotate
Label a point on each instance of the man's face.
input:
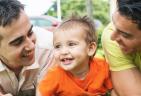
(17, 48)
(126, 34)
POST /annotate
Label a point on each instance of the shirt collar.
(33, 66)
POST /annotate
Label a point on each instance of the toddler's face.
(71, 49)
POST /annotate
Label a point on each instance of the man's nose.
(30, 44)
(115, 36)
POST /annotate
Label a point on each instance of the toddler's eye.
(72, 44)
(57, 46)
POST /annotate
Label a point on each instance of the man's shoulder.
(107, 43)
(108, 30)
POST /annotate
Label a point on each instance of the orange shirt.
(61, 83)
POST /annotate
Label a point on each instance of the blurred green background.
(100, 11)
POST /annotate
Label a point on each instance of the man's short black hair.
(131, 9)
(9, 10)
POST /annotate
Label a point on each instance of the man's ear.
(92, 48)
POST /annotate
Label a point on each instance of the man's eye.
(30, 33)
(125, 35)
(17, 42)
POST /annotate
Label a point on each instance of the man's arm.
(127, 82)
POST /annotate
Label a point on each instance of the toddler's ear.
(92, 48)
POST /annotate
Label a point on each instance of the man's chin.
(128, 51)
(29, 62)
(33, 61)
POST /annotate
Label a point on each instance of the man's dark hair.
(131, 9)
(9, 10)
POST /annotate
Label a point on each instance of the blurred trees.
(100, 9)
(89, 8)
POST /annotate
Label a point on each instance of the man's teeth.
(28, 54)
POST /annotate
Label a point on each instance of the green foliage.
(73, 6)
(99, 33)
(100, 52)
(100, 9)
